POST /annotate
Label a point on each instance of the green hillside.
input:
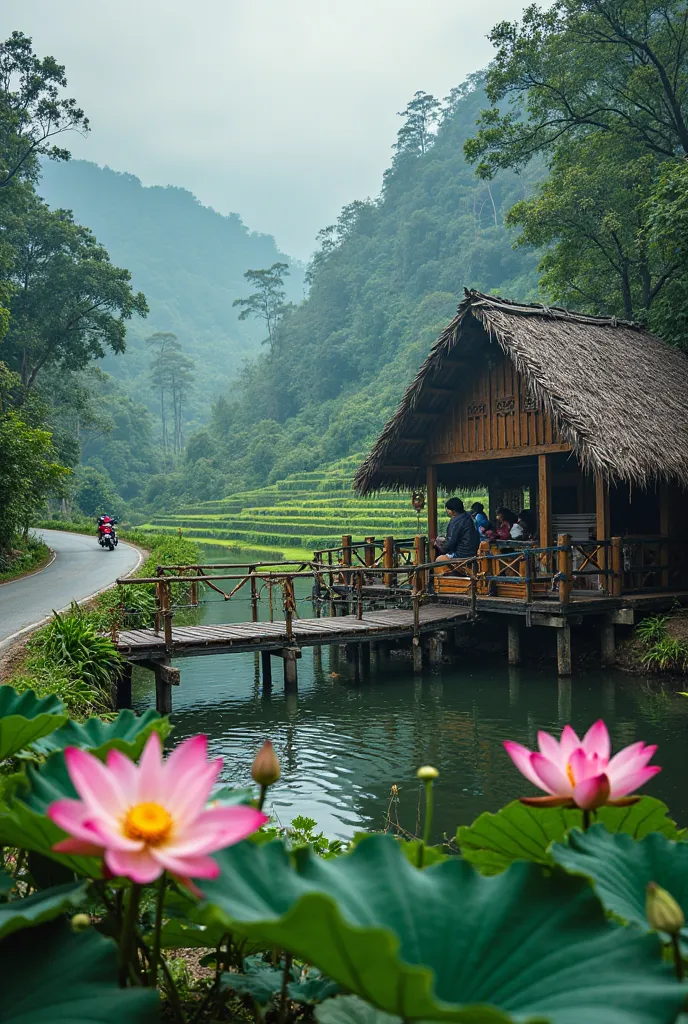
(295, 516)
(188, 259)
(384, 281)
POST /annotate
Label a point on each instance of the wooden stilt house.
(582, 419)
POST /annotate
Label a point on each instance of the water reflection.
(343, 743)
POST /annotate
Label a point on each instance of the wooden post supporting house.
(602, 517)
(564, 650)
(431, 485)
(544, 502)
(514, 642)
(388, 561)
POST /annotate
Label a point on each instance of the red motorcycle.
(107, 535)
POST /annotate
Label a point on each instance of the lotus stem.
(678, 959)
(128, 935)
(427, 774)
(288, 957)
(586, 820)
(157, 934)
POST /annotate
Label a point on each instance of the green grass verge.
(29, 556)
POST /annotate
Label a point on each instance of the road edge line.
(28, 575)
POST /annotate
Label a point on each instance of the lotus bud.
(427, 773)
(80, 922)
(265, 770)
(663, 912)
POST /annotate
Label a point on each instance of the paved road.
(81, 569)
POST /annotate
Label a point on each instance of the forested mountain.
(384, 281)
(186, 258)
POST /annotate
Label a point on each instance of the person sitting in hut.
(480, 520)
(507, 525)
(461, 540)
(527, 521)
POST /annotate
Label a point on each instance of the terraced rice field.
(295, 516)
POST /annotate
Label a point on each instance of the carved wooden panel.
(493, 410)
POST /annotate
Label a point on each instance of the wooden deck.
(390, 623)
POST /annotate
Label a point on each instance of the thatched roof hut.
(614, 394)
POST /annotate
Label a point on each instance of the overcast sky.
(280, 110)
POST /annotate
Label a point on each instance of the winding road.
(80, 569)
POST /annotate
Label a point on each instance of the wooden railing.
(521, 571)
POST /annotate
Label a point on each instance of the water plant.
(113, 859)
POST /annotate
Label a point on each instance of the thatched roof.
(617, 393)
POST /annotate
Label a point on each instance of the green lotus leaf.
(25, 718)
(352, 1010)
(314, 988)
(431, 854)
(6, 883)
(127, 733)
(40, 907)
(447, 943)
(261, 981)
(621, 869)
(23, 821)
(518, 832)
(49, 974)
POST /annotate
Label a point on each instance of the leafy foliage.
(41, 906)
(25, 718)
(621, 869)
(74, 979)
(127, 733)
(73, 643)
(518, 832)
(410, 942)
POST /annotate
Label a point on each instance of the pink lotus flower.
(152, 817)
(580, 773)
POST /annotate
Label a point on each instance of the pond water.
(343, 745)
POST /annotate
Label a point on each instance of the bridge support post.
(564, 650)
(266, 666)
(291, 675)
(165, 678)
(514, 643)
(417, 652)
(124, 686)
(364, 658)
(608, 643)
(317, 659)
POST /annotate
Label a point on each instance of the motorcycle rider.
(103, 521)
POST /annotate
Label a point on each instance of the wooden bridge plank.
(245, 635)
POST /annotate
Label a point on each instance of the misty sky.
(280, 110)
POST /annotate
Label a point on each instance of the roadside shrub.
(72, 643)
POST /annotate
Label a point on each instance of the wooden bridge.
(555, 586)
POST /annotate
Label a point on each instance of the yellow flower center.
(570, 775)
(148, 821)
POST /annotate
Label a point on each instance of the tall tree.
(592, 221)
(172, 373)
(68, 302)
(33, 111)
(267, 302)
(586, 66)
(421, 116)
